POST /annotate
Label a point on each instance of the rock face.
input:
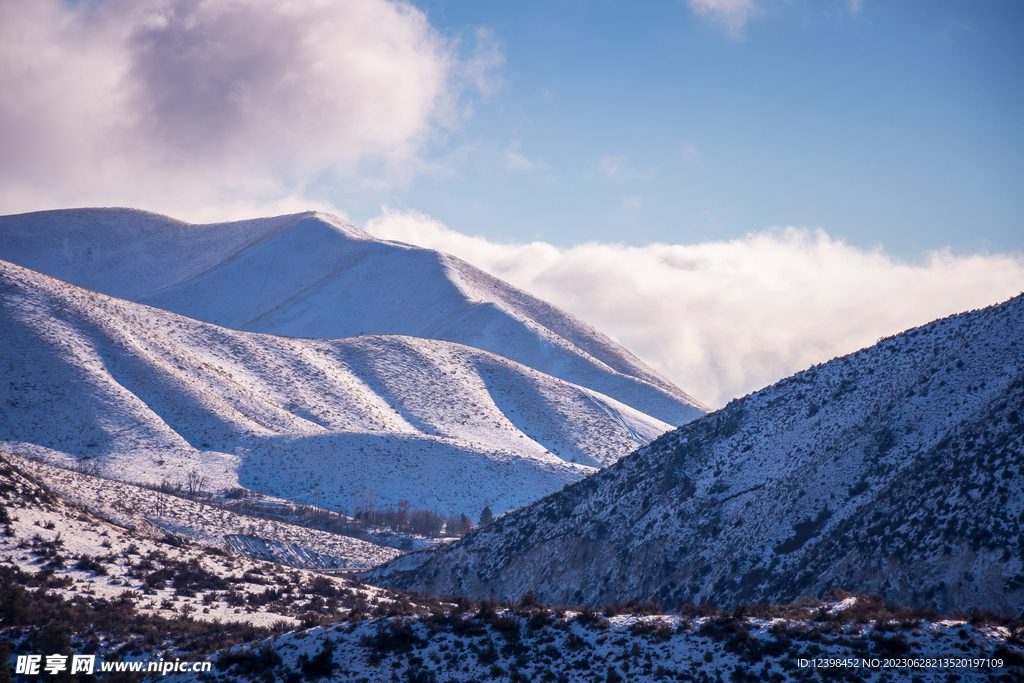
(896, 470)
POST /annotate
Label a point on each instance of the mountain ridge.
(312, 275)
(898, 470)
(150, 395)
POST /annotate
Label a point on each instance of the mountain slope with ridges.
(313, 275)
(897, 470)
(150, 395)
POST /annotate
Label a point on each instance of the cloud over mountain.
(725, 318)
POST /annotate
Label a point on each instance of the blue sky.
(895, 124)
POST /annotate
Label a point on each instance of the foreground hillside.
(313, 275)
(210, 520)
(64, 568)
(148, 396)
(854, 639)
(898, 470)
(73, 583)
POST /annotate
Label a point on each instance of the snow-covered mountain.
(148, 396)
(313, 275)
(897, 470)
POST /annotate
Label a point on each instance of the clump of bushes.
(250, 661)
(90, 564)
(321, 664)
(393, 635)
(658, 630)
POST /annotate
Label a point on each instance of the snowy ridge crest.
(312, 275)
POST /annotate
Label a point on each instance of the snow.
(522, 643)
(38, 518)
(140, 508)
(895, 470)
(150, 396)
(283, 553)
(312, 275)
(637, 648)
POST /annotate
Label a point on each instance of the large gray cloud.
(721, 319)
(180, 104)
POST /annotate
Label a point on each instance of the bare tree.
(87, 467)
(195, 482)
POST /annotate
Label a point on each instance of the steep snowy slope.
(898, 470)
(151, 395)
(312, 275)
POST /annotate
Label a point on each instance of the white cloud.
(731, 14)
(721, 319)
(611, 167)
(481, 68)
(178, 104)
(620, 168)
(514, 161)
(517, 162)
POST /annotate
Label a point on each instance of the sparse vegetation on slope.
(530, 641)
(130, 593)
(898, 470)
(216, 522)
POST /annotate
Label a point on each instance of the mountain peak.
(313, 275)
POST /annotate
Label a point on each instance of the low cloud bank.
(722, 319)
